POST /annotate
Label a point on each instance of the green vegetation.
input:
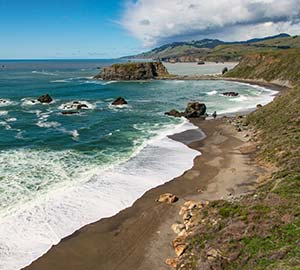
(262, 230)
(216, 50)
(282, 65)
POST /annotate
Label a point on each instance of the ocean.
(60, 172)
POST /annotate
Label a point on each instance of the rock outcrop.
(119, 101)
(190, 213)
(75, 105)
(167, 198)
(225, 70)
(133, 71)
(174, 113)
(193, 110)
(45, 98)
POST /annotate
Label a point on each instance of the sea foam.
(39, 224)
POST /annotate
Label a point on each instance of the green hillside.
(277, 66)
(261, 231)
(216, 50)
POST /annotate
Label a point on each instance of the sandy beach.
(139, 237)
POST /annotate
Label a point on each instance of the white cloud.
(158, 21)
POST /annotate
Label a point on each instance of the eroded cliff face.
(133, 71)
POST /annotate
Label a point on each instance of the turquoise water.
(61, 168)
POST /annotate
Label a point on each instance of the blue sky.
(113, 28)
(63, 29)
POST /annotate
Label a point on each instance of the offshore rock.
(75, 105)
(119, 101)
(193, 110)
(133, 71)
(174, 113)
(69, 113)
(230, 94)
(45, 98)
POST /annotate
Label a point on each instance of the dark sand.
(139, 237)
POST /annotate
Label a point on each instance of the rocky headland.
(133, 71)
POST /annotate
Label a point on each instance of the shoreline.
(271, 85)
(145, 216)
(150, 221)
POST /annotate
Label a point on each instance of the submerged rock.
(82, 106)
(45, 99)
(167, 198)
(230, 94)
(75, 105)
(119, 101)
(133, 71)
(174, 113)
(69, 113)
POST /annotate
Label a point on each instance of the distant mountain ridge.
(217, 50)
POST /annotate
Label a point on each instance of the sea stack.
(133, 71)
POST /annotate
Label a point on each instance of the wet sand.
(139, 237)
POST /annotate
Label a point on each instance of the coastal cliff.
(133, 71)
(259, 230)
(282, 67)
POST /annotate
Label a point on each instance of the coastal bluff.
(133, 71)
